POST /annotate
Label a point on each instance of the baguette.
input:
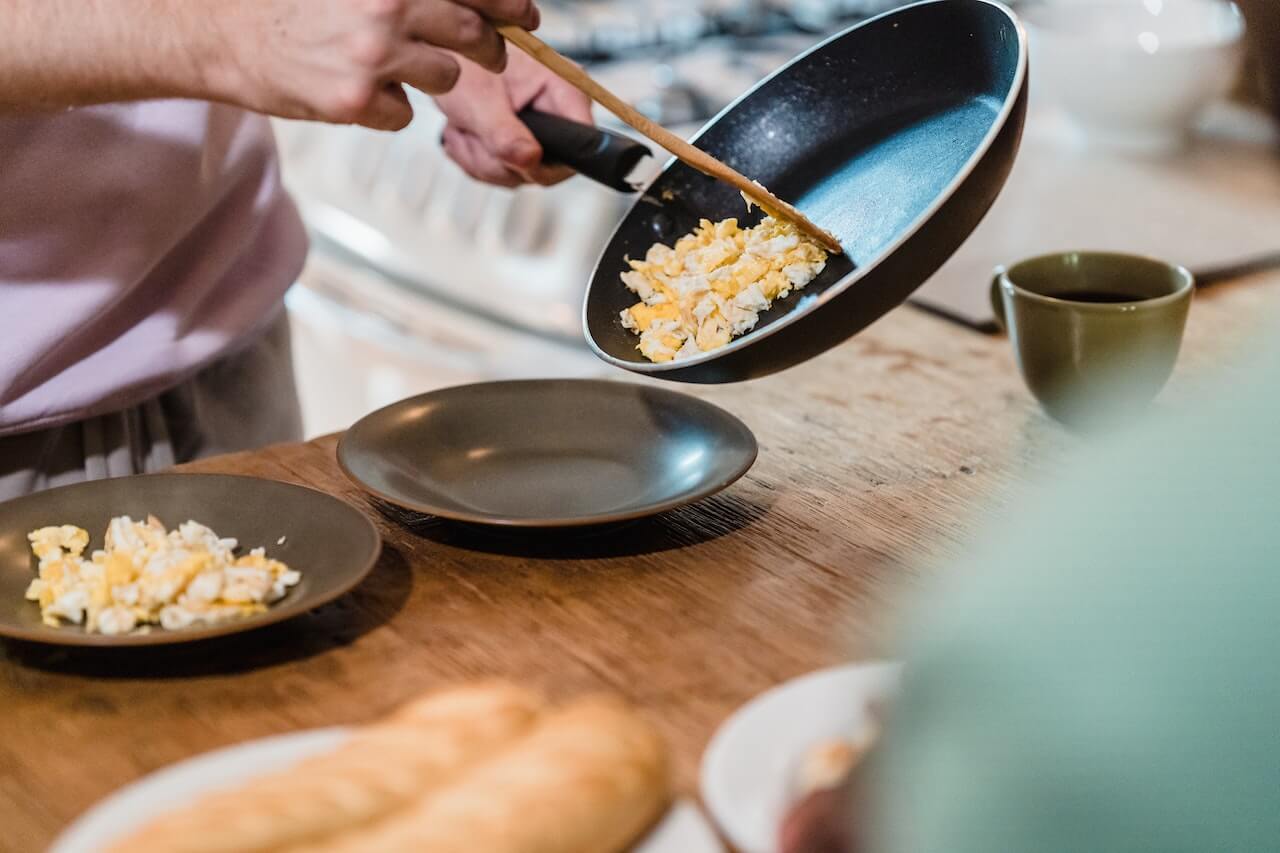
(382, 767)
(589, 778)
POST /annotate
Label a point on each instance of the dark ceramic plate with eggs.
(331, 543)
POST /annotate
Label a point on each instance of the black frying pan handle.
(601, 155)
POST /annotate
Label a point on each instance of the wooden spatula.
(698, 159)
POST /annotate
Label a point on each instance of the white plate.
(749, 765)
(683, 830)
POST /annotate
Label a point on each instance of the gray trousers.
(246, 400)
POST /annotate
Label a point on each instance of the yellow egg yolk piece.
(712, 285)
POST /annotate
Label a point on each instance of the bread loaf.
(589, 778)
(420, 748)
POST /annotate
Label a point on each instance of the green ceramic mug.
(1096, 334)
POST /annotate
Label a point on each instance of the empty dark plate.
(330, 542)
(547, 453)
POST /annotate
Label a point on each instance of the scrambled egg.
(146, 576)
(712, 285)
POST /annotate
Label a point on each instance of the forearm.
(343, 61)
(60, 53)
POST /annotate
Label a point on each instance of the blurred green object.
(1102, 675)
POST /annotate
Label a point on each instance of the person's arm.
(59, 53)
(329, 60)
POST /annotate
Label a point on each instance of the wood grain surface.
(877, 461)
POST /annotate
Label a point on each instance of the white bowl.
(1135, 73)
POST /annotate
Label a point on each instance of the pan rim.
(282, 611)
(804, 309)
(705, 490)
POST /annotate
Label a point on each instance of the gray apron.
(246, 400)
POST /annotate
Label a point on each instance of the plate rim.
(76, 836)
(707, 489)
(718, 745)
(284, 610)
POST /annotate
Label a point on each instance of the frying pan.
(896, 135)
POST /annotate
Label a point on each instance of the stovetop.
(592, 31)
(681, 61)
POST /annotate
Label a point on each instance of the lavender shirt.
(138, 243)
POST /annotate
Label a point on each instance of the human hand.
(485, 137)
(344, 60)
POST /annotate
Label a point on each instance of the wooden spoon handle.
(695, 157)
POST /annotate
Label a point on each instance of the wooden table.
(875, 460)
